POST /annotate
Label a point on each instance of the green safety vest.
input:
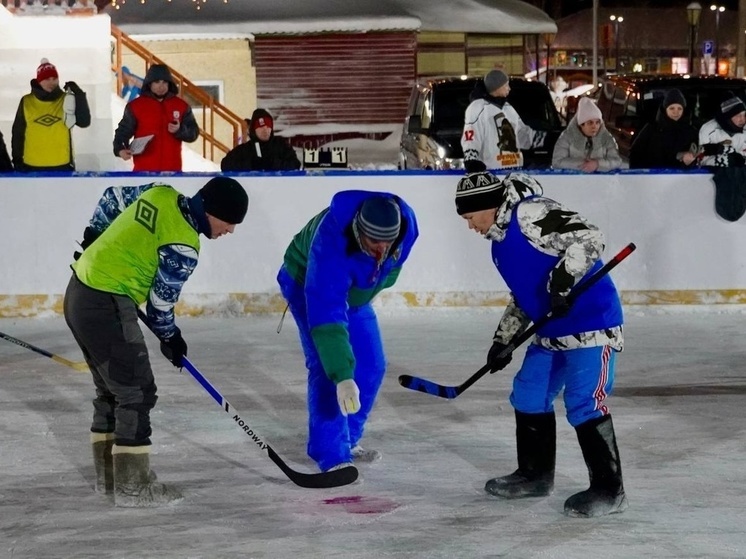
(124, 259)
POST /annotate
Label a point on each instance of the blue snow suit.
(329, 284)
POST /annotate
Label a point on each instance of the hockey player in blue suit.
(542, 249)
(332, 270)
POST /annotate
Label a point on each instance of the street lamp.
(693, 11)
(718, 10)
(617, 20)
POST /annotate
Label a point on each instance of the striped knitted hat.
(479, 191)
(379, 219)
(732, 106)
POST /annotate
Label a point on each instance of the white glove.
(348, 396)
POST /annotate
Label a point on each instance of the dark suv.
(431, 138)
(629, 102)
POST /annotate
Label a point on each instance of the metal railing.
(212, 111)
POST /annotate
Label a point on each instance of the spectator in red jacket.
(159, 121)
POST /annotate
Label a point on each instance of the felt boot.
(102, 443)
(536, 443)
(606, 494)
(135, 484)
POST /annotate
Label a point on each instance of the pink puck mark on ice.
(363, 505)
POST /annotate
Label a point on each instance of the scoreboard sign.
(333, 158)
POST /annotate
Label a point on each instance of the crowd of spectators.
(493, 130)
(156, 121)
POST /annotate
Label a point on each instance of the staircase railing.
(212, 111)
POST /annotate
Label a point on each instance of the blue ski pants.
(331, 435)
(586, 374)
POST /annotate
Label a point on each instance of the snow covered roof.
(313, 16)
(157, 31)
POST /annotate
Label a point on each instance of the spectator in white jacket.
(494, 134)
(722, 139)
(586, 145)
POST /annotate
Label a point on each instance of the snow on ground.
(677, 407)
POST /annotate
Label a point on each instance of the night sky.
(567, 7)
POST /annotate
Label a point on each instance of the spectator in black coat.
(6, 166)
(669, 142)
(263, 151)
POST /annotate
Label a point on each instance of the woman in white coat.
(586, 145)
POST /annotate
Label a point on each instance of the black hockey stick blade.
(451, 392)
(321, 480)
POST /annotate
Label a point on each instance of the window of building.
(213, 89)
(651, 66)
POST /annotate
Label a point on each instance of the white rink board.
(686, 253)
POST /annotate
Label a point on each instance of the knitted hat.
(260, 117)
(225, 199)
(674, 97)
(46, 70)
(587, 110)
(479, 191)
(731, 107)
(379, 219)
(495, 79)
(264, 120)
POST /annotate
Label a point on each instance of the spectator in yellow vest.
(41, 130)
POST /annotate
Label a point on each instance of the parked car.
(431, 137)
(629, 102)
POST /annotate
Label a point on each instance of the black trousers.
(106, 329)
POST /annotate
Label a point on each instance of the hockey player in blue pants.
(542, 250)
(332, 270)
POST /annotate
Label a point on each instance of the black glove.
(474, 166)
(712, 149)
(89, 235)
(174, 348)
(74, 87)
(560, 306)
(494, 360)
(736, 160)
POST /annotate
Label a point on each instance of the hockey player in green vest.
(142, 244)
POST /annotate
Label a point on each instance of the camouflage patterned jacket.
(530, 228)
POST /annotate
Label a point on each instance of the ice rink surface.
(678, 408)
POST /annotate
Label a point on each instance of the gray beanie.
(495, 79)
(379, 219)
(732, 106)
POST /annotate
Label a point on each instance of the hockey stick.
(451, 392)
(80, 366)
(335, 478)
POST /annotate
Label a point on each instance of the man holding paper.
(155, 124)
